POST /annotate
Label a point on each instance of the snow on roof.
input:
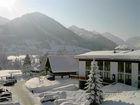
(128, 55)
(122, 47)
(63, 63)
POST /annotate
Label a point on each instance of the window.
(88, 65)
(128, 67)
(100, 65)
(88, 68)
(139, 82)
(121, 78)
(101, 74)
(107, 66)
(128, 79)
(139, 68)
(106, 75)
(120, 66)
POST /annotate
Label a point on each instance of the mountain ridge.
(97, 38)
(36, 32)
(3, 20)
(114, 38)
(134, 42)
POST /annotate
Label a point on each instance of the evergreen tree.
(27, 64)
(94, 84)
(3, 61)
(27, 60)
(43, 61)
(17, 64)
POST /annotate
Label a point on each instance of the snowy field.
(66, 92)
(4, 73)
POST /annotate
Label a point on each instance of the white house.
(119, 66)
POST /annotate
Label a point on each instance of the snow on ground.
(66, 92)
(9, 72)
(42, 84)
(9, 103)
(121, 94)
(119, 87)
(39, 82)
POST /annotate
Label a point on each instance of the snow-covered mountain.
(83, 32)
(95, 37)
(36, 32)
(134, 42)
(114, 38)
(3, 20)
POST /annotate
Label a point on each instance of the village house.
(62, 65)
(114, 66)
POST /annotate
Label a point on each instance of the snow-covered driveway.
(24, 96)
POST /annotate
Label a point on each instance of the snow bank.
(70, 87)
(9, 103)
(43, 84)
(69, 103)
(124, 98)
(116, 103)
(39, 82)
(56, 95)
(118, 87)
(60, 101)
(4, 73)
(78, 96)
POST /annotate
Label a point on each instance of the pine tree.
(27, 64)
(27, 60)
(93, 89)
(17, 64)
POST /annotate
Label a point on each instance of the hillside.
(113, 38)
(134, 42)
(3, 20)
(94, 37)
(38, 33)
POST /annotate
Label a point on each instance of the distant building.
(119, 66)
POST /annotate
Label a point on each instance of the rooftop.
(63, 63)
(125, 54)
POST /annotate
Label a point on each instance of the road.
(24, 96)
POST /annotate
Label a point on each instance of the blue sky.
(120, 17)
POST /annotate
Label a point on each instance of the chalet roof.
(124, 55)
(63, 63)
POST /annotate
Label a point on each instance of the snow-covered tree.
(3, 60)
(27, 64)
(43, 61)
(27, 60)
(17, 64)
(94, 84)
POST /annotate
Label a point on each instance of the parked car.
(50, 77)
(1, 90)
(10, 82)
(47, 98)
(3, 99)
(11, 78)
(6, 94)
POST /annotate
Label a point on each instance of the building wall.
(82, 68)
(135, 74)
(114, 70)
